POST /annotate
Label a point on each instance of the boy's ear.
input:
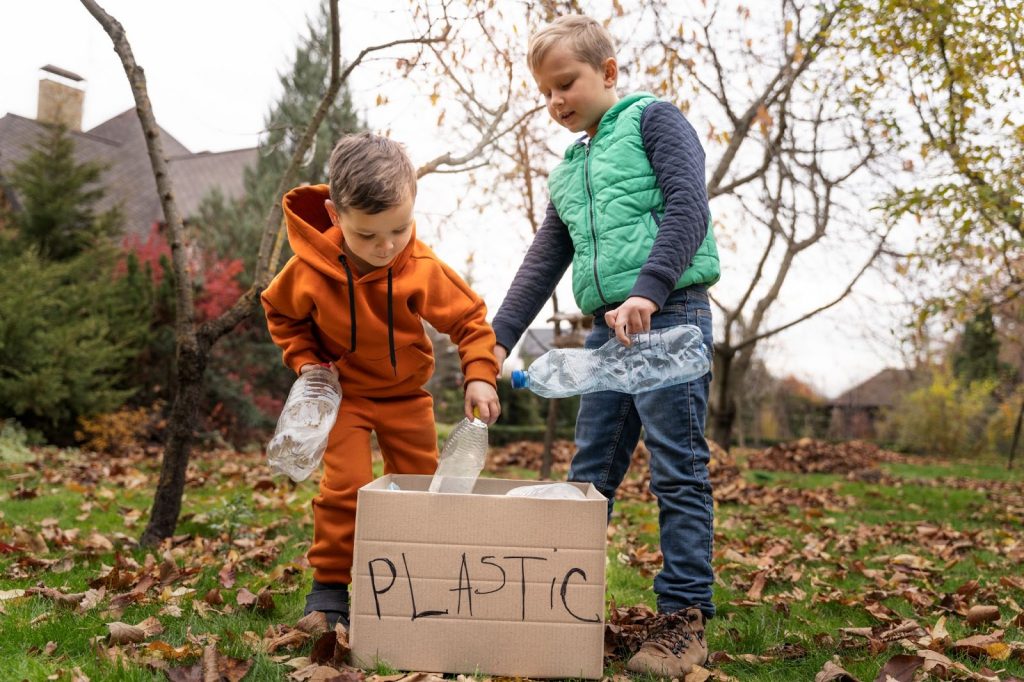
(331, 211)
(611, 72)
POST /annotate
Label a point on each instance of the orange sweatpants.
(408, 442)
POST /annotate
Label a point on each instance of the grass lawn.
(809, 567)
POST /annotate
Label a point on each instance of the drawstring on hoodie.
(391, 327)
(351, 300)
(391, 313)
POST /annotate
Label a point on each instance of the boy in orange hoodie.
(353, 299)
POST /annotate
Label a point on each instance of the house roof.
(119, 144)
(536, 341)
(882, 390)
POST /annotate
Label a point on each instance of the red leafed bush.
(220, 287)
(149, 252)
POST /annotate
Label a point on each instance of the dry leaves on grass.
(212, 667)
(123, 633)
(787, 538)
(808, 455)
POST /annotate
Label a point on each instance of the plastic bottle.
(462, 458)
(659, 358)
(548, 491)
(305, 423)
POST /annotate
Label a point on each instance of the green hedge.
(500, 434)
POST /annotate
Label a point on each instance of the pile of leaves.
(730, 487)
(529, 455)
(808, 455)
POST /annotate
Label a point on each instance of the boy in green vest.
(629, 210)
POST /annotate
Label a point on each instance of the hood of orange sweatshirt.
(318, 242)
(370, 325)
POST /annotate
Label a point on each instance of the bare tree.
(193, 342)
(789, 145)
(786, 144)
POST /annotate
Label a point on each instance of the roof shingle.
(120, 146)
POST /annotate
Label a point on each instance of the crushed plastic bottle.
(548, 491)
(462, 458)
(659, 358)
(309, 413)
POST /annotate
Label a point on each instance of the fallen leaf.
(831, 672)
(316, 673)
(760, 578)
(171, 653)
(323, 648)
(264, 600)
(288, 639)
(313, 623)
(899, 668)
(1000, 651)
(122, 633)
(172, 610)
(91, 599)
(70, 600)
(981, 613)
(98, 543)
(975, 645)
(697, 674)
(245, 598)
(227, 576)
(213, 666)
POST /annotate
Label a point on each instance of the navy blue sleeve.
(677, 158)
(546, 261)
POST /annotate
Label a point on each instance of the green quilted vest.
(607, 195)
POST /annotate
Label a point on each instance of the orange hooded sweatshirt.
(319, 308)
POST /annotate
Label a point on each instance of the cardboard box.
(478, 583)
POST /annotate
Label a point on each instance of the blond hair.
(589, 41)
(370, 173)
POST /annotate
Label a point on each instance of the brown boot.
(674, 648)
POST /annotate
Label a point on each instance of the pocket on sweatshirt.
(375, 377)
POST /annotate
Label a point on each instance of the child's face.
(375, 238)
(577, 94)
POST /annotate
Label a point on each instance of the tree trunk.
(549, 439)
(1016, 437)
(724, 413)
(191, 364)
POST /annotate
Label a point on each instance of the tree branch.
(849, 287)
(185, 313)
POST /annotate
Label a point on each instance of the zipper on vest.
(593, 221)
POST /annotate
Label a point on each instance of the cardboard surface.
(478, 583)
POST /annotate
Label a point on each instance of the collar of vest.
(608, 119)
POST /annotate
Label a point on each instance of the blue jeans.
(607, 432)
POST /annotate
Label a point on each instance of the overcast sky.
(212, 69)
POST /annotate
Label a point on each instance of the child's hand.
(501, 355)
(632, 317)
(482, 396)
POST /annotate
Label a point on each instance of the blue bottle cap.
(519, 378)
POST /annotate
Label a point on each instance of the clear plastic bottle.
(548, 491)
(462, 458)
(659, 358)
(305, 423)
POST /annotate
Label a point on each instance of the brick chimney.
(60, 98)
